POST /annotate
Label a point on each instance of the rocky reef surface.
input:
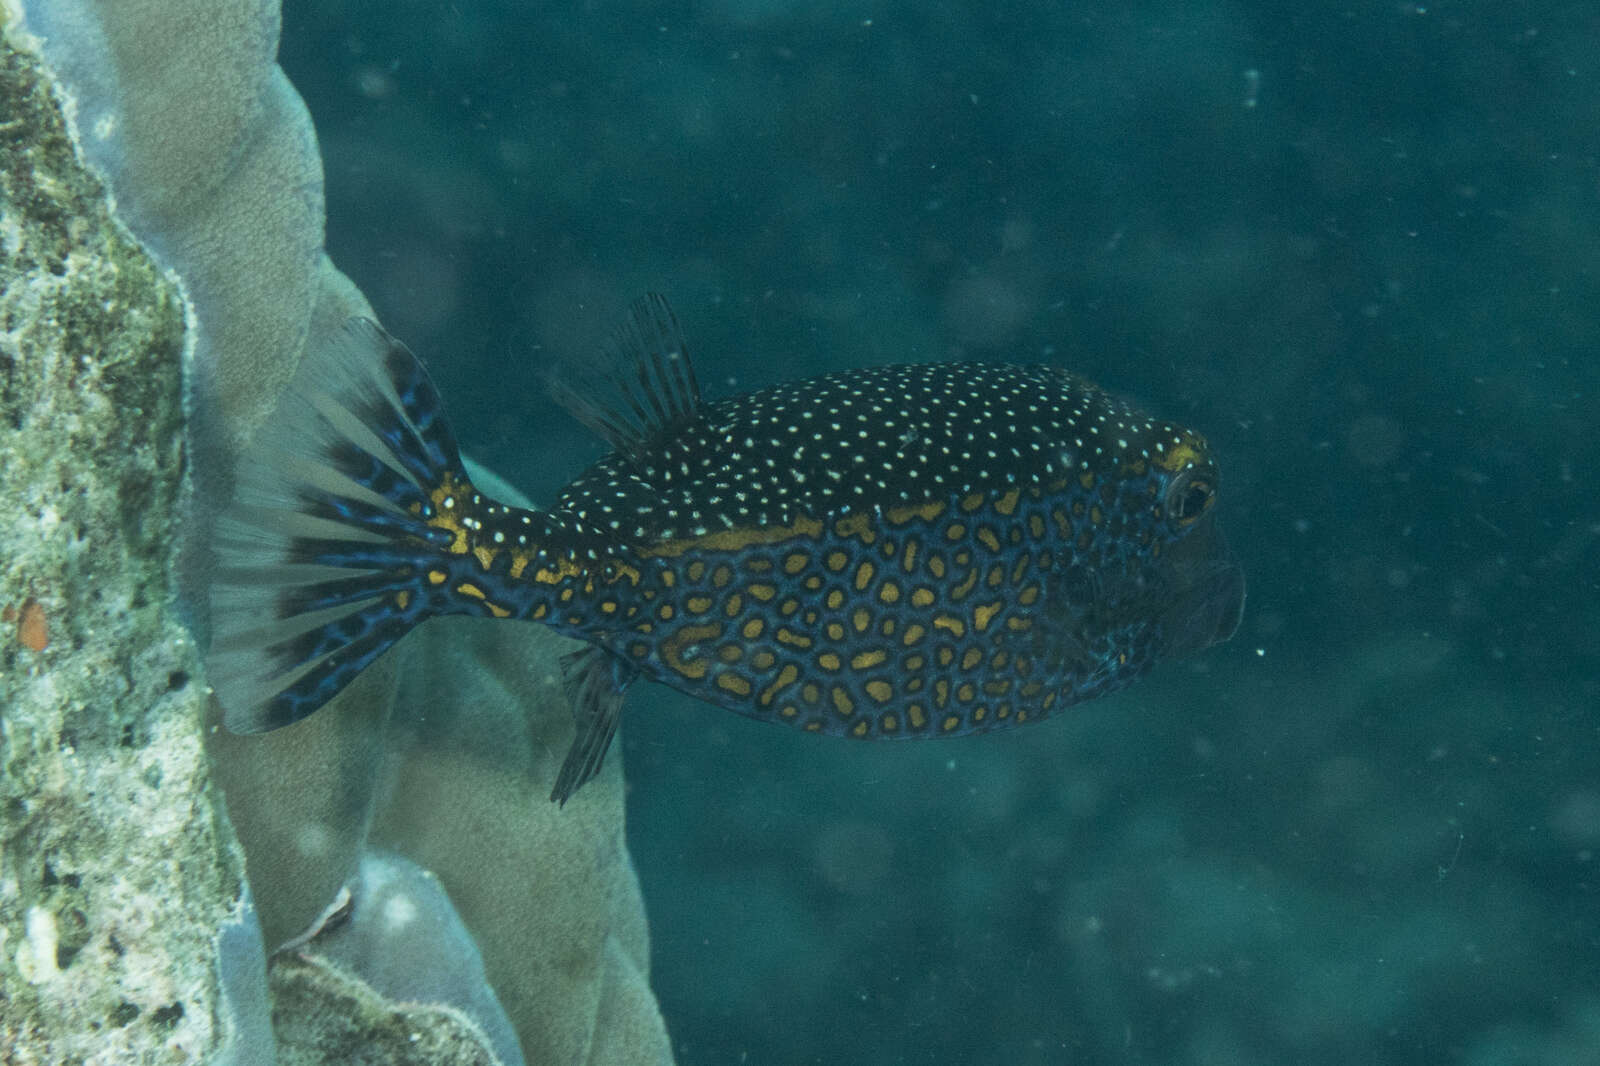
(169, 892)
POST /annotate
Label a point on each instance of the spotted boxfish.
(901, 551)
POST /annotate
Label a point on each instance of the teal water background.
(1357, 245)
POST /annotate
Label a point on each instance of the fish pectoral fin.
(594, 681)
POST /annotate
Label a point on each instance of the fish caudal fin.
(320, 557)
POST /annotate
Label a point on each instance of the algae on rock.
(143, 901)
(115, 872)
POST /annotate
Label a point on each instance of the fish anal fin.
(641, 388)
(594, 680)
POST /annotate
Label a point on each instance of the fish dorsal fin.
(641, 388)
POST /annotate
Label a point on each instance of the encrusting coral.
(120, 863)
(115, 874)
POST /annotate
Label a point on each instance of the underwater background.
(1358, 246)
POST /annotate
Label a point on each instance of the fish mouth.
(1207, 591)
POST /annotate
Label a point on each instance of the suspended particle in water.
(1252, 87)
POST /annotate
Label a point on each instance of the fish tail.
(322, 557)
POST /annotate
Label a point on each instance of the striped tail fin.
(321, 555)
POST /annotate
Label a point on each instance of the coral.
(401, 931)
(570, 964)
(213, 166)
(115, 873)
(323, 1014)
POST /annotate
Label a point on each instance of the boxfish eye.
(1190, 493)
